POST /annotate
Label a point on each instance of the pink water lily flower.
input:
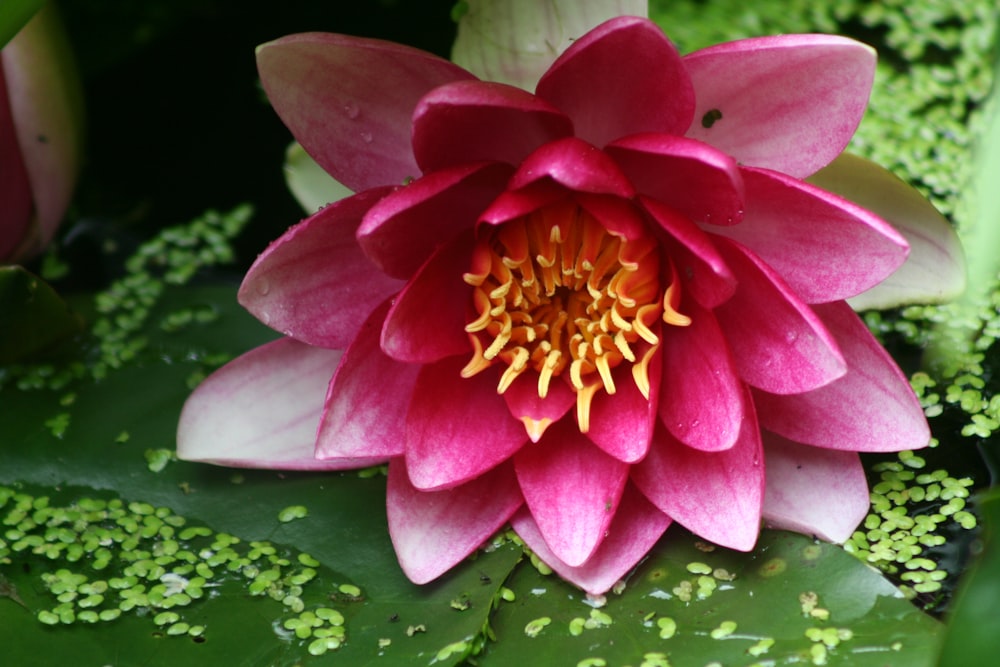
(587, 311)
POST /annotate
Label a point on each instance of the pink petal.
(295, 288)
(354, 422)
(536, 413)
(621, 424)
(457, 428)
(261, 410)
(826, 248)
(819, 492)
(576, 165)
(427, 321)
(432, 531)
(778, 343)
(572, 489)
(934, 271)
(789, 103)
(402, 231)
(702, 397)
(716, 495)
(696, 180)
(635, 529)
(349, 100)
(870, 409)
(623, 77)
(702, 270)
(469, 121)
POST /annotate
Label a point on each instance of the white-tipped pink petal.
(294, 288)
(702, 397)
(779, 344)
(353, 423)
(432, 531)
(622, 423)
(623, 77)
(46, 111)
(537, 413)
(703, 273)
(427, 320)
(814, 491)
(261, 410)
(870, 409)
(716, 495)
(572, 489)
(349, 100)
(825, 247)
(516, 41)
(691, 177)
(934, 271)
(457, 428)
(789, 103)
(471, 121)
(401, 232)
(635, 529)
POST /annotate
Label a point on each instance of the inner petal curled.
(555, 292)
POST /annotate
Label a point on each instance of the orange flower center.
(556, 292)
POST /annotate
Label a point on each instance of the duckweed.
(157, 566)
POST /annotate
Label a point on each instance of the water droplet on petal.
(263, 286)
(264, 317)
(791, 336)
(366, 137)
(351, 110)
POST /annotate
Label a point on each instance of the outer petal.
(623, 77)
(814, 491)
(789, 103)
(702, 397)
(935, 268)
(457, 428)
(703, 273)
(293, 286)
(261, 410)
(778, 342)
(826, 248)
(469, 121)
(354, 423)
(871, 409)
(622, 423)
(633, 532)
(691, 177)
(516, 41)
(432, 531)
(46, 106)
(717, 495)
(572, 489)
(349, 101)
(536, 413)
(403, 230)
(427, 321)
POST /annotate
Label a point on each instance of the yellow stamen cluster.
(555, 291)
